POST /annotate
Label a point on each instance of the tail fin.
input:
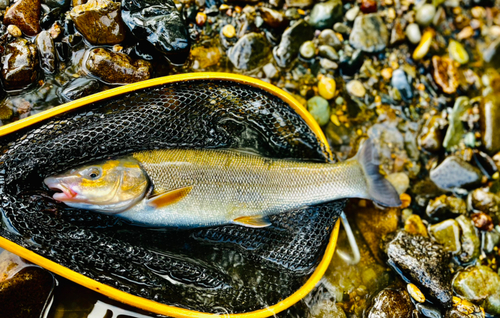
(380, 189)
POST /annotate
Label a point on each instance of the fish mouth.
(64, 194)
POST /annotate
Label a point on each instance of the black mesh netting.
(227, 268)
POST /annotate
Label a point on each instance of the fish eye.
(93, 173)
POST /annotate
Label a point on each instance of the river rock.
(471, 245)
(445, 206)
(299, 3)
(291, 40)
(456, 128)
(47, 51)
(447, 233)
(325, 14)
(454, 173)
(26, 15)
(117, 68)
(158, 22)
(319, 108)
(79, 88)
(413, 33)
(480, 285)
(423, 262)
(99, 21)
(273, 18)
(391, 303)
(492, 53)
(369, 33)
(490, 122)
(445, 74)
(432, 134)
(205, 57)
(250, 52)
(400, 82)
(19, 62)
(328, 37)
(486, 202)
(424, 14)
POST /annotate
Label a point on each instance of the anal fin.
(255, 221)
(168, 198)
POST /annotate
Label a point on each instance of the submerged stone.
(26, 15)
(99, 21)
(445, 206)
(325, 14)
(117, 68)
(432, 134)
(391, 303)
(454, 173)
(471, 245)
(250, 52)
(447, 233)
(19, 64)
(489, 121)
(456, 129)
(480, 285)
(273, 18)
(423, 262)
(47, 51)
(319, 108)
(445, 74)
(400, 82)
(328, 37)
(205, 57)
(369, 33)
(291, 40)
(158, 22)
(80, 87)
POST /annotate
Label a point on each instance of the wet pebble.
(463, 308)
(307, 49)
(447, 233)
(414, 225)
(273, 18)
(79, 88)
(4, 4)
(112, 67)
(25, 14)
(456, 129)
(352, 13)
(328, 64)
(341, 28)
(457, 52)
(445, 74)
(480, 285)
(291, 40)
(431, 137)
(490, 121)
(428, 310)
(161, 24)
(325, 14)
(368, 6)
(200, 19)
(454, 173)
(400, 82)
(369, 33)
(229, 31)
(356, 88)
(299, 3)
(250, 52)
(482, 221)
(471, 245)
(14, 31)
(319, 109)
(423, 262)
(425, 14)
(205, 57)
(19, 63)
(486, 202)
(99, 21)
(270, 70)
(328, 37)
(399, 181)
(326, 87)
(423, 47)
(328, 52)
(327, 308)
(47, 53)
(445, 206)
(415, 293)
(413, 33)
(391, 303)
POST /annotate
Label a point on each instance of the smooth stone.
(352, 13)
(423, 47)
(391, 303)
(491, 240)
(428, 311)
(14, 31)
(445, 74)
(423, 262)
(414, 225)
(273, 18)
(99, 21)
(270, 71)
(413, 33)
(307, 49)
(288, 49)
(328, 52)
(471, 245)
(400, 82)
(328, 37)
(447, 233)
(415, 293)
(47, 52)
(369, 33)
(356, 88)
(205, 57)
(445, 206)
(368, 6)
(325, 14)
(399, 181)
(487, 202)
(79, 88)
(463, 308)
(492, 53)
(19, 63)
(161, 24)
(326, 87)
(341, 28)
(397, 32)
(328, 64)
(455, 129)
(229, 31)
(431, 137)
(455, 173)
(326, 308)
(489, 122)
(4, 4)
(457, 52)
(299, 3)
(480, 285)
(250, 52)
(319, 108)
(26, 15)
(117, 68)
(425, 14)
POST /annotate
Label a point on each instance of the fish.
(189, 188)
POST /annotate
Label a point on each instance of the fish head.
(111, 186)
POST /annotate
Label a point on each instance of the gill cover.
(176, 273)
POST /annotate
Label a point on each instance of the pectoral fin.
(255, 221)
(167, 198)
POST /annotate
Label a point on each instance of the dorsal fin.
(167, 198)
(255, 221)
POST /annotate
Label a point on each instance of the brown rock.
(482, 221)
(26, 15)
(432, 134)
(19, 64)
(368, 6)
(445, 74)
(273, 18)
(119, 68)
(99, 21)
(47, 51)
(391, 303)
